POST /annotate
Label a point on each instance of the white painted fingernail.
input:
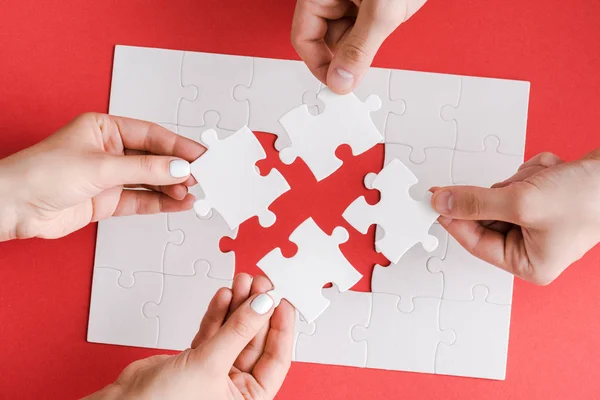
(179, 168)
(262, 304)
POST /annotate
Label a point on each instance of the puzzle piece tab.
(116, 312)
(404, 220)
(182, 305)
(402, 341)
(319, 260)
(481, 345)
(331, 342)
(315, 138)
(228, 176)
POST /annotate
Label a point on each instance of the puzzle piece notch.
(215, 90)
(331, 341)
(120, 246)
(146, 84)
(410, 278)
(228, 176)
(301, 327)
(484, 168)
(318, 261)
(315, 138)
(482, 331)
(403, 341)
(377, 81)
(463, 271)
(490, 107)
(182, 305)
(116, 312)
(201, 242)
(211, 121)
(436, 170)
(404, 220)
(276, 87)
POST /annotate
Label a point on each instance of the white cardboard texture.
(149, 84)
(319, 260)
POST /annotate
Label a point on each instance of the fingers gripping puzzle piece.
(230, 182)
(405, 221)
(315, 138)
(319, 260)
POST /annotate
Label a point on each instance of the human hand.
(534, 224)
(78, 175)
(337, 39)
(243, 350)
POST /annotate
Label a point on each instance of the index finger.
(153, 138)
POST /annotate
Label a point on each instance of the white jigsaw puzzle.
(445, 129)
(228, 176)
(404, 220)
(331, 341)
(315, 138)
(319, 261)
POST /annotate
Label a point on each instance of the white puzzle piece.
(377, 81)
(421, 126)
(410, 278)
(402, 341)
(228, 176)
(116, 312)
(490, 107)
(211, 121)
(183, 302)
(301, 326)
(200, 242)
(319, 261)
(146, 84)
(404, 220)
(463, 271)
(277, 86)
(331, 342)
(133, 244)
(315, 138)
(486, 167)
(481, 345)
(215, 90)
(436, 170)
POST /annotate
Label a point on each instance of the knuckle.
(470, 205)
(146, 163)
(526, 207)
(548, 159)
(241, 328)
(354, 50)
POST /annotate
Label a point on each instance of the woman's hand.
(78, 175)
(534, 224)
(337, 39)
(243, 350)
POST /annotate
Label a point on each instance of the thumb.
(356, 50)
(478, 203)
(225, 346)
(144, 169)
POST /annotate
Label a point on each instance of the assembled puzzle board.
(442, 311)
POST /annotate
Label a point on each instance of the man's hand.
(79, 175)
(337, 39)
(243, 350)
(534, 224)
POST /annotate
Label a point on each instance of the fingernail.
(179, 168)
(444, 221)
(341, 80)
(262, 304)
(443, 202)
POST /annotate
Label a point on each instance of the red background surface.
(55, 63)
